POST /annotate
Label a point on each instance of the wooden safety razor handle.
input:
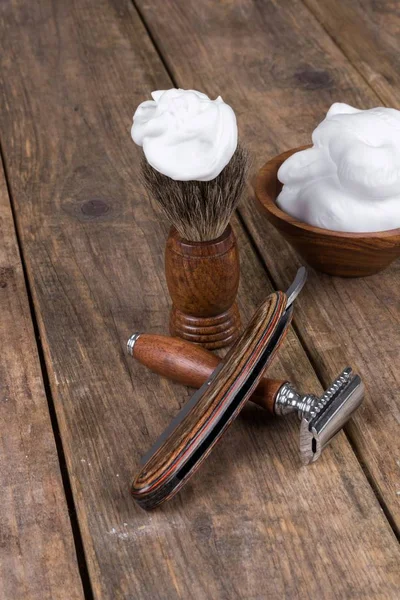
(192, 365)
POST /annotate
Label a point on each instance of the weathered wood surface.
(281, 81)
(37, 553)
(368, 33)
(253, 522)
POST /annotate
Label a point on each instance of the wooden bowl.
(332, 252)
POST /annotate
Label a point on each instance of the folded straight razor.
(191, 436)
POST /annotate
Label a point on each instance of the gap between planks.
(72, 515)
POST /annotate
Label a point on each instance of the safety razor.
(321, 417)
(203, 420)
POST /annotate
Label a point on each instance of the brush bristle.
(199, 210)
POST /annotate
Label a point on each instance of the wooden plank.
(37, 554)
(368, 34)
(252, 522)
(281, 85)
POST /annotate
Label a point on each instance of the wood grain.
(37, 553)
(280, 87)
(204, 425)
(368, 33)
(176, 359)
(203, 281)
(72, 75)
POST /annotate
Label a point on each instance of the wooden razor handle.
(187, 442)
(192, 365)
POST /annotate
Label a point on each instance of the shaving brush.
(200, 211)
(196, 172)
(202, 259)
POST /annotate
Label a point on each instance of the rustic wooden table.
(81, 267)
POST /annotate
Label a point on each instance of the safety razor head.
(323, 418)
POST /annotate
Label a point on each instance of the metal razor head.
(329, 415)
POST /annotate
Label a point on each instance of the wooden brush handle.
(203, 279)
(192, 365)
(190, 441)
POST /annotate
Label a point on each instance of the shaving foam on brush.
(196, 171)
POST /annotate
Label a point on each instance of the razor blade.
(321, 417)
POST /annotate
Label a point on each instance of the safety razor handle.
(192, 365)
